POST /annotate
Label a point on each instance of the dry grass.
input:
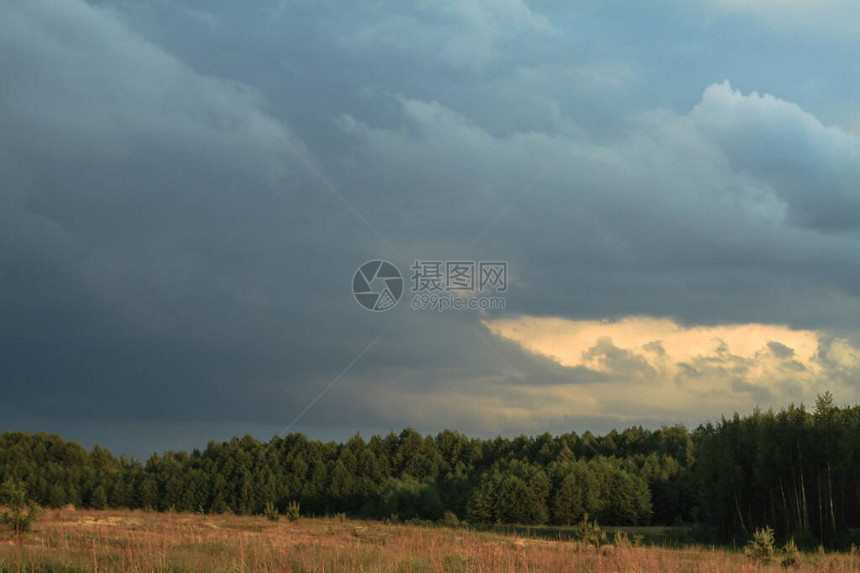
(66, 541)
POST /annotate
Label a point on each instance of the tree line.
(794, 470)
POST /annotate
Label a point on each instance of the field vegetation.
(69, 540)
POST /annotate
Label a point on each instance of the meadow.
(69, 540)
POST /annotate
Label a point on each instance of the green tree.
(98, 500)
(568, 505)
(19, 511)
(57, 497)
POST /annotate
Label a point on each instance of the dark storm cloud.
(166, 256)
(159, 257)
(659, 222)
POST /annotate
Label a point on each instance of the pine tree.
(19, 510)
(57, 496)
(98, 499)
(568, 505)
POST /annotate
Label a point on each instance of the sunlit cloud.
(645, 365)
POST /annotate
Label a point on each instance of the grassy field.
(647, 535)
(69, 540)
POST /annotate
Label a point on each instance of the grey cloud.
(165, 256)
(623, 363)
(467, 33)
(813, 168)
(780, 350)
(156, 250)
(758, 395)
(657, 222)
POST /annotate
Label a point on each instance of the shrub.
(804, 538)
(449, 518)
(761, 547)
(271, 512)
(589, 532)
(19, 512)
(621, 539)
(409, 499)
(293, 513)
(789, 553)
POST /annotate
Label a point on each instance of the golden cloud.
(655, 367)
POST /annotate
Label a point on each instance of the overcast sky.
(187, 189)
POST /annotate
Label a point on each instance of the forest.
(794, 470)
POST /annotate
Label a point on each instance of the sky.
(188, 189)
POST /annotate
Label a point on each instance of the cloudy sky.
(187, 189)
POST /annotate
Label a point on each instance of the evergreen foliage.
(792, 470)
(19, 512)
(761, 548)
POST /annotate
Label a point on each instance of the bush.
(621, 539)
(589, 532)
(843, 539)
(410, 499)
(789, 553)
(293, 513)
(449, 518)
(271, 512)
(761, 547)
(805, 539)
(19, 512)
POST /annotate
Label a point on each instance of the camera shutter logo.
(377, 285)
